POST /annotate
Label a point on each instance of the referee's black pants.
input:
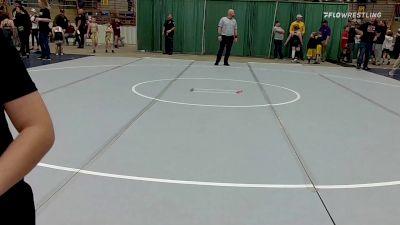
(227, 41)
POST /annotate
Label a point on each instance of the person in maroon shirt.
(24, 106)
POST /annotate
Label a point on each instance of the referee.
(227, 34)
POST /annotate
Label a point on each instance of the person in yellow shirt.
(299, 22)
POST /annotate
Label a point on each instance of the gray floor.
(220, 146)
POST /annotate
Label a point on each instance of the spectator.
(44, 29)
(278, 40)
(61, 20)
(109, 34)
(35, 30)
(168, 33)
(312, 53)
(70, 33)
(387, 46)
(351, 41)
(93, 33)
(325, 30)
(344, 45)
(58, 37)
(23, 23)
(8, 30)
(368, 36)
(377, 46)
(227, 34)
(396, 40)
(296, 41)
(116, 25)
(302, 30)
(80, 22)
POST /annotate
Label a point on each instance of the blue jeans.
(44, 44)
(365, 52)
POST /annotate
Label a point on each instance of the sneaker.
(358, 66)
(226, 64)
(41, 58)
(391, 73)
(216, 64)
(56, 53)
(62, 53)
(366, 68)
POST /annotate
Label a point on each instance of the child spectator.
(312, 47)
(296, 42)
(351, 41)
(345, 38)
(93, 32)
(58, 36)
(387, 46)
(109, 34)
(278, 40)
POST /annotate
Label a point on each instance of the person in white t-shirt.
(227, 34)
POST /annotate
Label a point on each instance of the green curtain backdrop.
(255, 22)
(188, 16)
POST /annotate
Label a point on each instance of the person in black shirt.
(80, 22)
(23, 23)
(24, 106)
(381, 30)
(44, 29)
(312, 48)
(368, 36)
(62, 21)
(168, 33)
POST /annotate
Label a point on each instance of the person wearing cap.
(227, 35)
(61, 21)
(325, 30)
(302, 27)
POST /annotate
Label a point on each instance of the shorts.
(94, 38)
(387, 51)
(319, 49)
(58, 42)
(17, 205)
(108, 37)
(311, 53)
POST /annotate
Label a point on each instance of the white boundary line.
(70, 67)
(219, 184)
(298, 96)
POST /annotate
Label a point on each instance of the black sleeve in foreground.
(15, 82)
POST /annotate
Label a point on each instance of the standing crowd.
(18, 26)
(369, 42)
